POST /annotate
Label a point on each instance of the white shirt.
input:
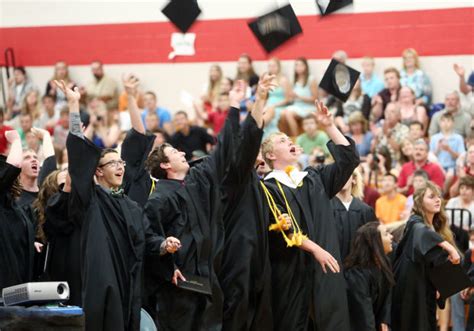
(292, 180)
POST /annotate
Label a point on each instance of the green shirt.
(309, 144)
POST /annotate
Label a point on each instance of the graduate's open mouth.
(34, 167)
(293, 150)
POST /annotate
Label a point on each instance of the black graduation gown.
(64, 238)
(348, 221)
(303, 296)
(112, 244)
(414, 297)
(16, 233)
(193, 212)
(135, 150)
(245, 276)
(369, 298)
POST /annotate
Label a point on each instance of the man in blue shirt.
(163, 114)
(370, 83)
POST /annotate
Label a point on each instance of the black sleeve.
(49, 165)
(48, 88)
(246, 147)
(135, 149)
(426, 240)
(366, 107)
(369, 214)
(386, 312)
(153, 240)
(84, 158)
(360, 300)
(159, 214)
(335, 175)
(207, 138)
(8, 175)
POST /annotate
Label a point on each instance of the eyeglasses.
(114, 163)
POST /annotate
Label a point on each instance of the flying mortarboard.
(182, 13)
(276, 27)
(327, 7)
(448, 279)
(339, 80)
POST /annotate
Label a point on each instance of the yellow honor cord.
(153, 185)
(297, 236)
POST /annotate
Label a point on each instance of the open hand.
(326, 260)
(177, 275)
(459, 70)
(324, 117)
(40, 133)
(265, 85)
(71, 95)
(12, 135)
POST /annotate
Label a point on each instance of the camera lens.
(60, 289)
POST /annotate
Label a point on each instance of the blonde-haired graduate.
(309, 291)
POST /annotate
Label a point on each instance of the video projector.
(29, 294)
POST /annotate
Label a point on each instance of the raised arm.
(463, 87)
(342, 149)
(130, 84)
(16, 152)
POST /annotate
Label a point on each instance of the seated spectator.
(465, 86)
(420, 178)
(412, 76)
(152, 122)
(420, 161)
(370, 194)
(305, 92)
(409, 110)
(387, 95)
(103, 87)
(464, 168)
(49, 116)
(462, 120)
(278, 98)
(359, 132)
(103, 129)
(392, 132)
(3, 128)
(189, 138)
(61, 129)
(416, 131)
(465, 200)
(123, 101)
(406, 154)
(31, 104)
(390, 206)
(246, 72)
(312, 137)
(217, 117)
(19, 85)
(371, 84)
(164, 115)
(226, 85)
(447, 145)
(212, 90)
(377, 165)
(61, 72)
(356, 102)
(26, 123)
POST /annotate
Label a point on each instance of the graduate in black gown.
(369, 278)
(306, 294)
(188, 204)
(427, 241)
(115, 235)
(245, 276)
(16, 231)
(350, 212)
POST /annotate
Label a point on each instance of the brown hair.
(358, 117)
(48, 188)
(392, 69)
(306, 73)
(154, 161)
(440, 221)
(251, 72)
(467, 181)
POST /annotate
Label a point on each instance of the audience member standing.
(102, 87)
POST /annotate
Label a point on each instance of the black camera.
(320, 158)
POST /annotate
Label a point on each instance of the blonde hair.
(357, 190)
(214, 87)
(440, 221)
(267, 147)
(411, 51)
(358, 117)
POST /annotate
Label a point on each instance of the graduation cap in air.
(327, 7)
(182, 13)
(448, 279)
(339, 80)
(276, 27)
